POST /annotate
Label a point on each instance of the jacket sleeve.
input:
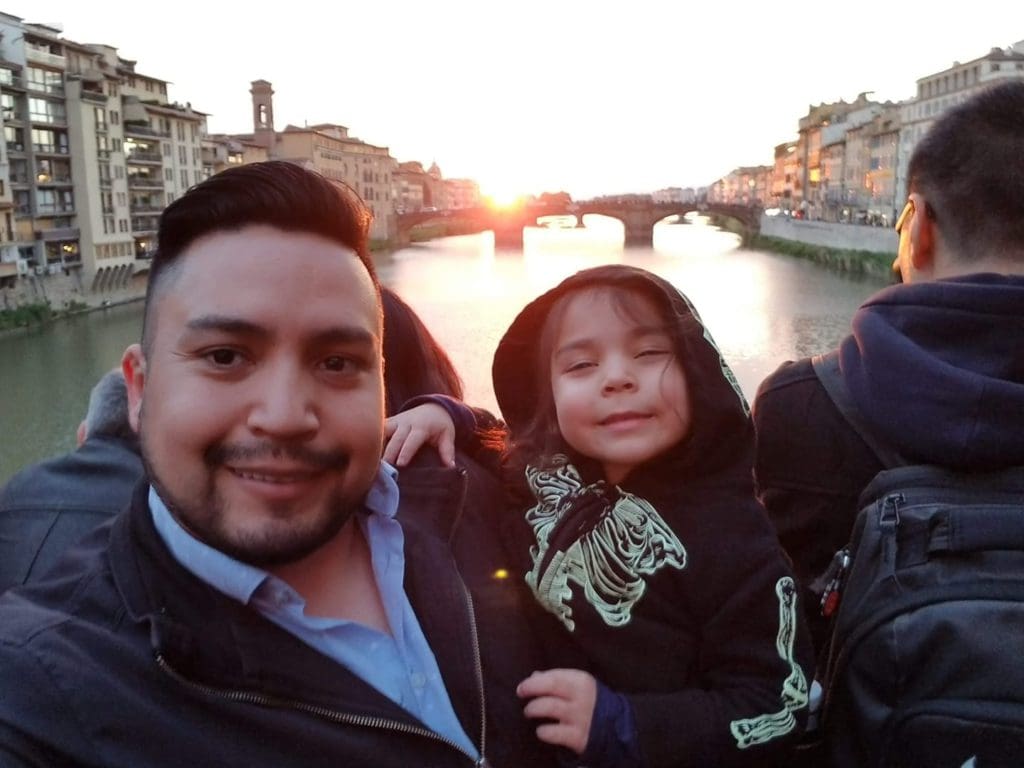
(36, 728)
(754, 667)
(809, 471)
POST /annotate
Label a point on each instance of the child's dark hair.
(275, 193)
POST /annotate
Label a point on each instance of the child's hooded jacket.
(670, 587)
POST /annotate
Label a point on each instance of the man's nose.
(284, 405)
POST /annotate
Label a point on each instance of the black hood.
(937, 369)
(720, 433)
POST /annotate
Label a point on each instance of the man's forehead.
(234, 272)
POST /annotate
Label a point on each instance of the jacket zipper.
(477, 662)
(259, 699)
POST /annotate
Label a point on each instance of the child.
(671, 614)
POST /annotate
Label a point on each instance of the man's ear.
(133, 366)
(922, 236)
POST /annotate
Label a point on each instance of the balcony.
(52, 209)
(15, 146)
(144, 157)
(101, 127)
(145, 207)
(39, 56)
(142, 182)
(134, 129)
(94, 96)
(50, 149)
(13, 83)
(144, 225)
(57, 180)
(40, 118)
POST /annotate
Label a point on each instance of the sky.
(588, 96)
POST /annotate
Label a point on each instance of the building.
(461, 193)
(786, 184)
(93, 150)
(328, 149)
(674, 195)
(220, 152)
(939, 91)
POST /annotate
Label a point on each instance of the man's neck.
(337, 580)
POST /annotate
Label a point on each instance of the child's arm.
(590, 719)
(749, 699)
(408, 431)
(436, 420)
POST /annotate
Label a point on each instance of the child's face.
(620, 393)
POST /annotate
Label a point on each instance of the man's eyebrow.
(226, 324)
(339, 334)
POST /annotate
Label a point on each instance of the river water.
(762, 309)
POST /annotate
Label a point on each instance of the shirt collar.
(232, 577)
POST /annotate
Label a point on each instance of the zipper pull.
(834, 582)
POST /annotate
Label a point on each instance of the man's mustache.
(300, 454)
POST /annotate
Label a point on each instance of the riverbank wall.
(853, 248)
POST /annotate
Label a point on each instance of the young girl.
(670, 617)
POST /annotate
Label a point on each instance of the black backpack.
(926, 664)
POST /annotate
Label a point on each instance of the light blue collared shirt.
(400, 665)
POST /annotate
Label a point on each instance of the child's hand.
(566, 696)
(410, 430)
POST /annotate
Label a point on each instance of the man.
(258, 603)
(936, 366)
(49, 506)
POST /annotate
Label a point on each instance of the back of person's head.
(414, 363)
(275, 193)
(108, 409)
(970, 170)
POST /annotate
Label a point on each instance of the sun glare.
(505, 198)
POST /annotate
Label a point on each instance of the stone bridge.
(638, 218)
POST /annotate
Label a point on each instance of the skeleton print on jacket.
(600, 539)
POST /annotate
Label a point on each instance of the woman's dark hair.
(970, 169)
(275, 193)
(414, 363)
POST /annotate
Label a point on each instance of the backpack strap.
(826, 368)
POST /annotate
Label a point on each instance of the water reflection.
(761, 308)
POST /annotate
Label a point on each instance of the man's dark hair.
(275, 193)
(970, 169)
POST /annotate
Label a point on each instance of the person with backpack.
(916, 424)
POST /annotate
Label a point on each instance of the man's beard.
(287, 535)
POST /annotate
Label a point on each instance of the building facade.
(93, 150)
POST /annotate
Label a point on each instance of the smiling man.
(262, 601)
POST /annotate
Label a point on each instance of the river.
(762, 308)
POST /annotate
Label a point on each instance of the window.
(122, 225)
(119, 171)
(44, 80)
(167, 149)
(181, 131)
(168, 174)
(8, 105)
(184, 179)
(44, 111)
(115, 117)
(116, 144)
(100, 116)
(182, 155)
